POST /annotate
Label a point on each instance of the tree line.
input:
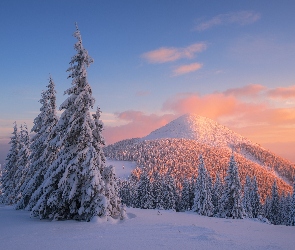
(223, 198)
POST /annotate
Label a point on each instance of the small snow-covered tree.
(42, 151)
(125, 192)
(185, 195)
(291, 221)
(203, 197)
(255, 199)
(8, 184)
(144, 197)
(157, 190)
(247, 198)
(23, 162)
(217, 191)
(231, 201)
(192, 192)
(285, 207)
(274, 213)
(111, 192)
(266, 207)
(169, 198)
(73, 186)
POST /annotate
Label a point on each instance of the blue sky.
(154, 60)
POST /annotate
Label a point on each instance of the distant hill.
(175, 148)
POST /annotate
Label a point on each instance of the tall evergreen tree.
(125, 192)
(8, 184)
(274, 215)
(144, 196)
(192, 192)
(247, 198)
(217, 194)
(285, 206)
(23, 162)
(74, 188)
(266, 207)
(169, 198)
(231, 201)
(203, 197)
(255, 199)
(185, 195)
(111, 191)
(291, 221)
(157, 190)
(42, 151)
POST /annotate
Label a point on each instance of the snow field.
(144, 229)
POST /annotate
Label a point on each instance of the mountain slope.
(175, 148)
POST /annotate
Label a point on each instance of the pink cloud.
(248, 90)
(282, 92)
(171, 54)
(241, 17)
(213, 105)
(188, 68)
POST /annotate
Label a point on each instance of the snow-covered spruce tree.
(266, 207)
(7, 180)
(108, 173)
(203, 197)
(247, 197)
(192, 192)
(125, 192)
(291, 221)
(217, 191)
(231, 201)
(274, 210)
(285, 205)
(169, 195)
(74, 187)
(144, 197)
(185, 196)
(23, 162)
(255, 199)
(111, 191)
(42, 151)
(157, 190)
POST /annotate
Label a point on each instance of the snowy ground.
(144, 229)
(122, 168)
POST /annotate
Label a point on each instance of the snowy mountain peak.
(202, 129)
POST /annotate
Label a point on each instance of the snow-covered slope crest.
(202, 129)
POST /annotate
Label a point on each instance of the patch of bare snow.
(122, 168)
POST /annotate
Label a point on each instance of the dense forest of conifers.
(180, 158)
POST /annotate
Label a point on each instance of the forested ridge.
(180, 159)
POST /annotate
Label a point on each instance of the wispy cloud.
(248, 90)
(188, 68)
(240, 17)
(170, 54)
(282, 92)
